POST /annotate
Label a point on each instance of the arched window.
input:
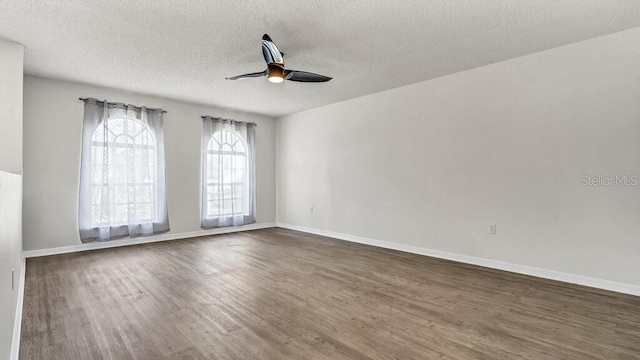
(227, 173)
(123, 172)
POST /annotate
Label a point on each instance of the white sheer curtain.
(122, 174)
(228, 173)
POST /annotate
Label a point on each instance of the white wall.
(435, 163)
(53, 139)
(10, 256)
(11, 56)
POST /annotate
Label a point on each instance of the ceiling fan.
(275, 72)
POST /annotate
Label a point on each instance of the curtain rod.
(241, 122)
(116, 103)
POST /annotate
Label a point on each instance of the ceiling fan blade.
(251, 75)
(270, 51)
(303, 76)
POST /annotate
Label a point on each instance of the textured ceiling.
(185, 49)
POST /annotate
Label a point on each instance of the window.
(228, 173)
(122, 177)
(123, 154)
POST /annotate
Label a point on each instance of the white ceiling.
(185, 49)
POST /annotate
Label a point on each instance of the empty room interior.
(320, 180)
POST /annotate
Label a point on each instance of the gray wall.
(434, 164)
(11, 58)
(53, 139)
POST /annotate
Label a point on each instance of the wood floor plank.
(281, 294)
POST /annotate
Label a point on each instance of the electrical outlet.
(311, 209)
(493, 229)
(13, 279)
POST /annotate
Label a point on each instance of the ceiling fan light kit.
(276, 72)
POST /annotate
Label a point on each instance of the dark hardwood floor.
(280, 294)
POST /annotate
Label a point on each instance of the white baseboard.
(143, 240)
(17, 324)
(493, 264)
